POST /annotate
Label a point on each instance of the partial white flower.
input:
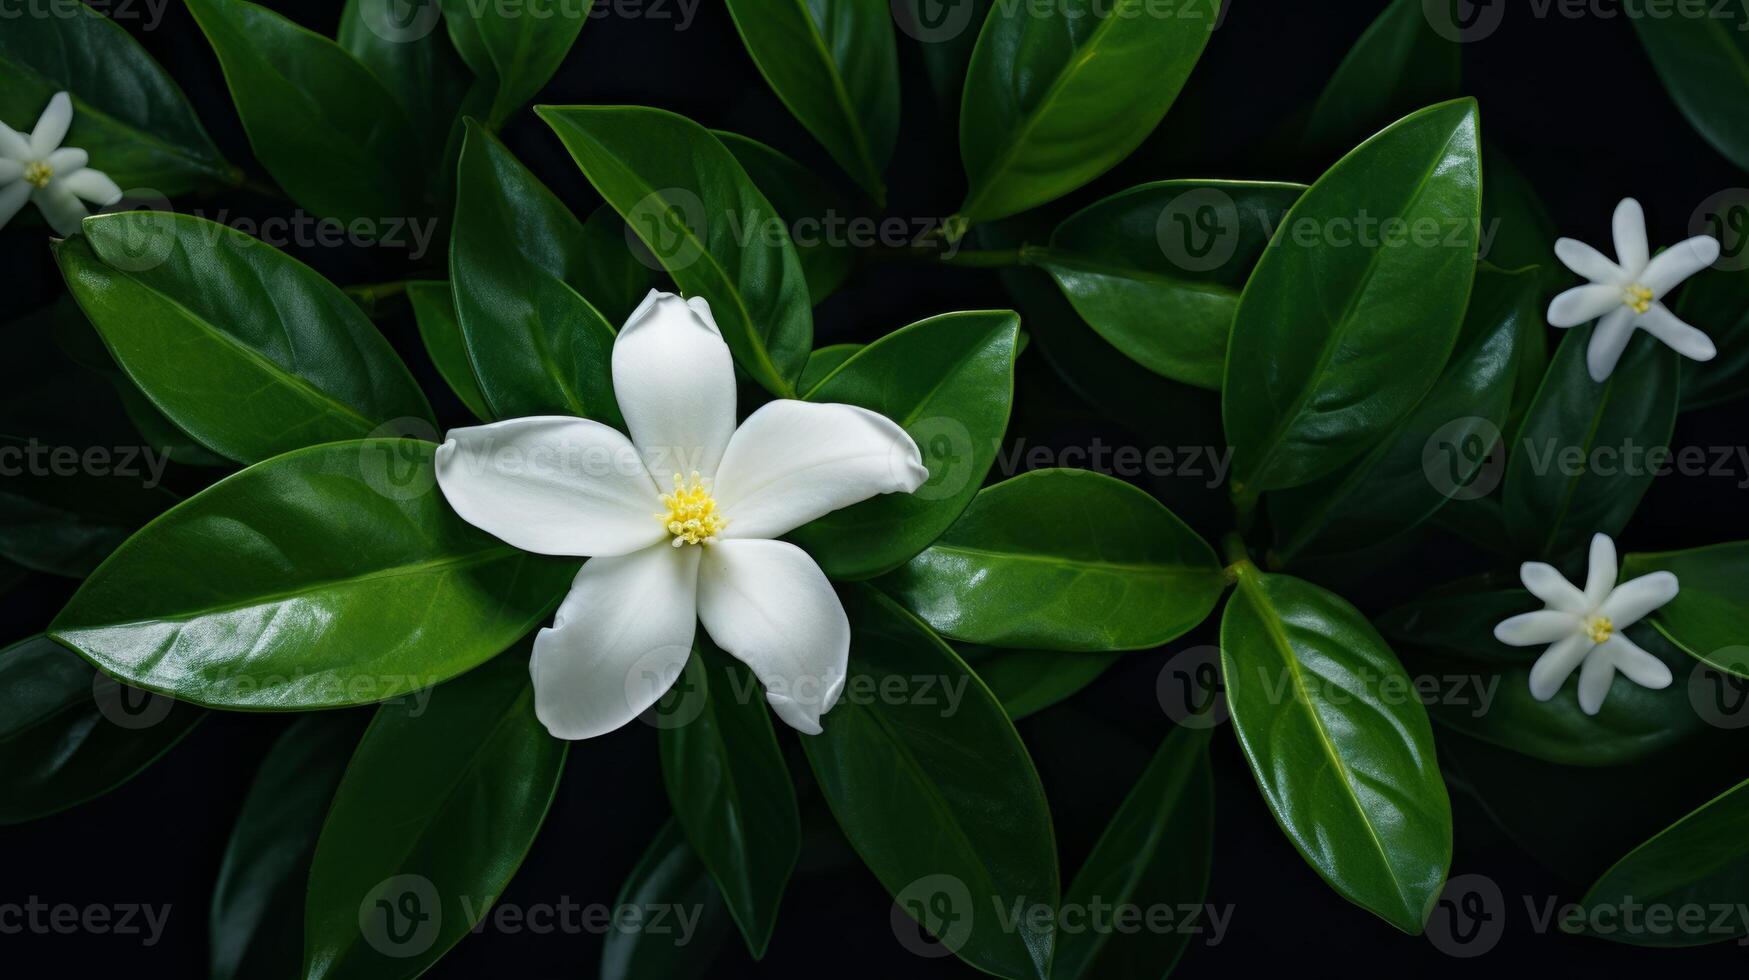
(40, 169)
(1585, 627)
(679, 524)
(1626, 293)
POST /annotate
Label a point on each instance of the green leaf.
(823, 362)
(945, 35)
(518, 46)
(1341, 330)
(1518, 232)
(434, 311)
(1063, 560)
(1702, 56)
(1029, 681)
(1056, 96)
(701, 215)
(619, 273)
(257, 915)
(321, 123)
(434, 815)
(806, 204)
(127, 112)
(949, 381)
(1339, 744)
(1717, 301)
(245, 348)
(1157, 269)
(1483, 685)
(1446, 447)
(731, 791)
(329, 576)
(537, 347)
(69, 734)
(942, 766)
(669, 875)
(1700, 861)
(1573, 471)
(835, 66)
(399, 43)
(64, 513)
(1156, 852)
(1398, 65)
(1709, 618)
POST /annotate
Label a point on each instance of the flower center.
(692, 512)
(38, 174)
(1637, 297)
(1599, 628)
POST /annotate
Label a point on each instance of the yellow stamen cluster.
(1638, 298)
(692, 513)
(1599, 628)
(38, 174)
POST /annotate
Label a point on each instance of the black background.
(1574, 102)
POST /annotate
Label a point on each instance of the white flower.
(40, 169)
(1586, 627)
(1626, 292)
(661, 561)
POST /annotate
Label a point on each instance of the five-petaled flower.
(1626, 293)
(1586, 627)
(40, 169)
(679, 524)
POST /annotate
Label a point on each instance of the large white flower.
(1626, 293)
(678, 523)
(1586, 627)
(40, 169)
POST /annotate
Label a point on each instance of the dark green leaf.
(1709, 618)
(945, 35)
(516, 45)
(620, 271)
(434, 310)
(399, 42)
(1717, 301)
(1029, 681)
(63, 509)
(669, 875)
(1702, 55)
(809, 206)
(823, 362)
(1397, 66)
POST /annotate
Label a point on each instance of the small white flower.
(1626, 292)
(1586, 627)
(660, 562)
(40, 169)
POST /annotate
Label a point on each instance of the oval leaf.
(806, 203)
(434, 311)
(1702, 55)
(669, 875)
(1708, 617)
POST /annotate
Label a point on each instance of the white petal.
(792, 461)
(1678, 262)
(675, 382)
(1588, 262)
(10, 170)
(1552, 669)
(1600, 574)
(1594, 680)
(1632, 600)
(14, 146)
(618, 641)
(1552, 588)
(12, 197)
(51, 128)
(553, 485)
(92, 185)
(1678, 336)
(1536, 628)
(1636, 664)
(60, 207)
(1631, 250)
(1608, 340)
(770, 606)
(67, 159)
(1583, 303)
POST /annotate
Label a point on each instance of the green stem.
(982, 258)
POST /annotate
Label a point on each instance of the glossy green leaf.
(1398, 65)
(1717, 301)
(68, 734)
(823, 362)
(242, 346)
(1343, 329)
(329, 576)
(835, 66)
(537, 347)
(811, 208)
(399, 43)
(1339, 744)
(1029, 681)
(703, 218)
(127, 112)
(1446, 447)
(1709, 618)
(1057, 95)
(1157, 269)
(1156, 852)
(1062, 560)
(731, 791)
(943, 766)
(518, 46)
(321, 123)
(620, 271)
(435, 813)
(1702, 55)
(949, 381)
(669, 875)
(257, 915)
(434, 311)
(1585, 453)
